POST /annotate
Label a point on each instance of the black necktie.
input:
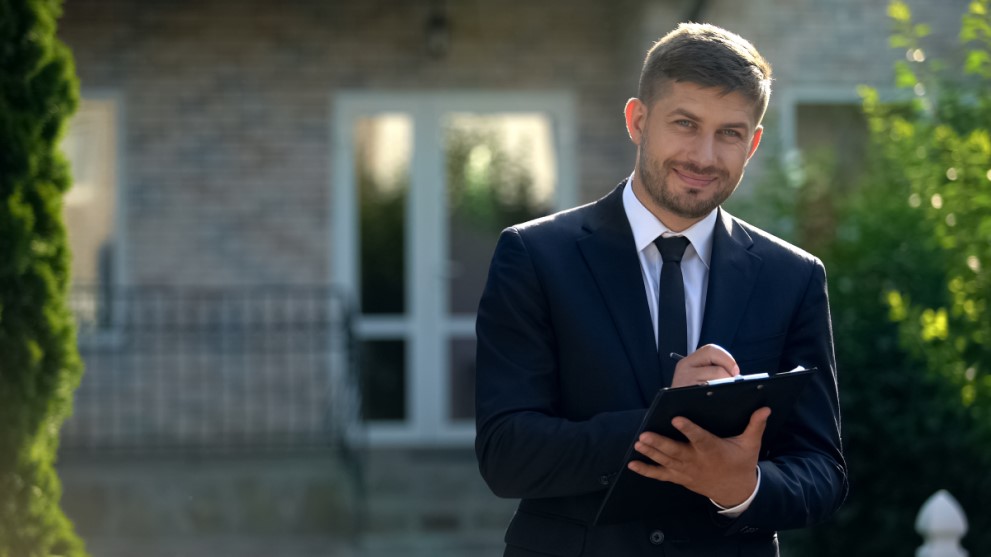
(672, 325)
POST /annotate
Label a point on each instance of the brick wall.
(226, 110)
(226, 103)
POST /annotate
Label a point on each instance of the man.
(577, 321)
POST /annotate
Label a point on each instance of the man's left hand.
(724, 470)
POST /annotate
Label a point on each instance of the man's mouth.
(695, 180)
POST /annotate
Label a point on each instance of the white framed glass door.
(422, 184)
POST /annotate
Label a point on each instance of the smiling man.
(583, 309)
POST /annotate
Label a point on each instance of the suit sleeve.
(525, 448)
(803, 474)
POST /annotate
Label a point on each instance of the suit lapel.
(733, 271)
(611, 255)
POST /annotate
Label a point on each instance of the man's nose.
(702, 151)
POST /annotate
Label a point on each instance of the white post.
(941, 523)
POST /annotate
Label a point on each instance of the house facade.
(380, 146)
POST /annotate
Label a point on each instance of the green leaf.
(905, 78)
(899, 41)
(922, 30)
(978, 63)
(899, 11)
(868, 94)
(974, 28)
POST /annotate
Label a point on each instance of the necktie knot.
(672, 248)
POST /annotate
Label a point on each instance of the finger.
(646, 470)
(660, 473)
(688, 375)
(695, 434)
(714, 355)
(669, 447)
(653, 454)
(708, 373)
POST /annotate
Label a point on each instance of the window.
(423, 184)
(90, 208)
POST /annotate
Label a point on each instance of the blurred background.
(281, 221)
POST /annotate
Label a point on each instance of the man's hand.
(709, 362)
(724, 470)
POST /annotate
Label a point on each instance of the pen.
(676, 356)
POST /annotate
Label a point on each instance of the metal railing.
(206, 369)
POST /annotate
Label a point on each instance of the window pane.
(837, 132)
(383, 144)
(833, 139)
(90, 144)
(383, 377)
(500, 171)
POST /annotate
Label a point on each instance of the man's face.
(694, 143)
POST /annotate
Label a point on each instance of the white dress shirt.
(695, 269)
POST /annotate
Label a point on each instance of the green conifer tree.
(39, 363)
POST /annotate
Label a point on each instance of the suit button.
(657, 537)
(748, 530)
(604, 480)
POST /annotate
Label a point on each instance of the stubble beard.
(692, 204)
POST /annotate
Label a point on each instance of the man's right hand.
(707, 363)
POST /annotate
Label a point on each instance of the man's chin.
(695, 210)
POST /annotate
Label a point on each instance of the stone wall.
(148, 504)
(414, 502)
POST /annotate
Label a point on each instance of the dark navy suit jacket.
(567, 365)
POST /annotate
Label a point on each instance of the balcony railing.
(208, 369)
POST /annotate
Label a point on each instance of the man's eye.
(684, 123)
(731, 133)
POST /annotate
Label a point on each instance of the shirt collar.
(646, 227)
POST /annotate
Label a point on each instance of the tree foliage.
(39, 365)
(941, 150)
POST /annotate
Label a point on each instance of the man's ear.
(636, 119)
(758, 134)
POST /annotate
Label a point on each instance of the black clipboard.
(723, 409)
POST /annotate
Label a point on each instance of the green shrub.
(909, 258)
(39, 365)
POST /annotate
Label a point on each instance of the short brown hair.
(708, 56)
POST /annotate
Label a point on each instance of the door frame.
(427, 326)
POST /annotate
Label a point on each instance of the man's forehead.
(695, 100)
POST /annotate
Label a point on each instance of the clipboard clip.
(735, 379)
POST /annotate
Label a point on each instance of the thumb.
(758, 422)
